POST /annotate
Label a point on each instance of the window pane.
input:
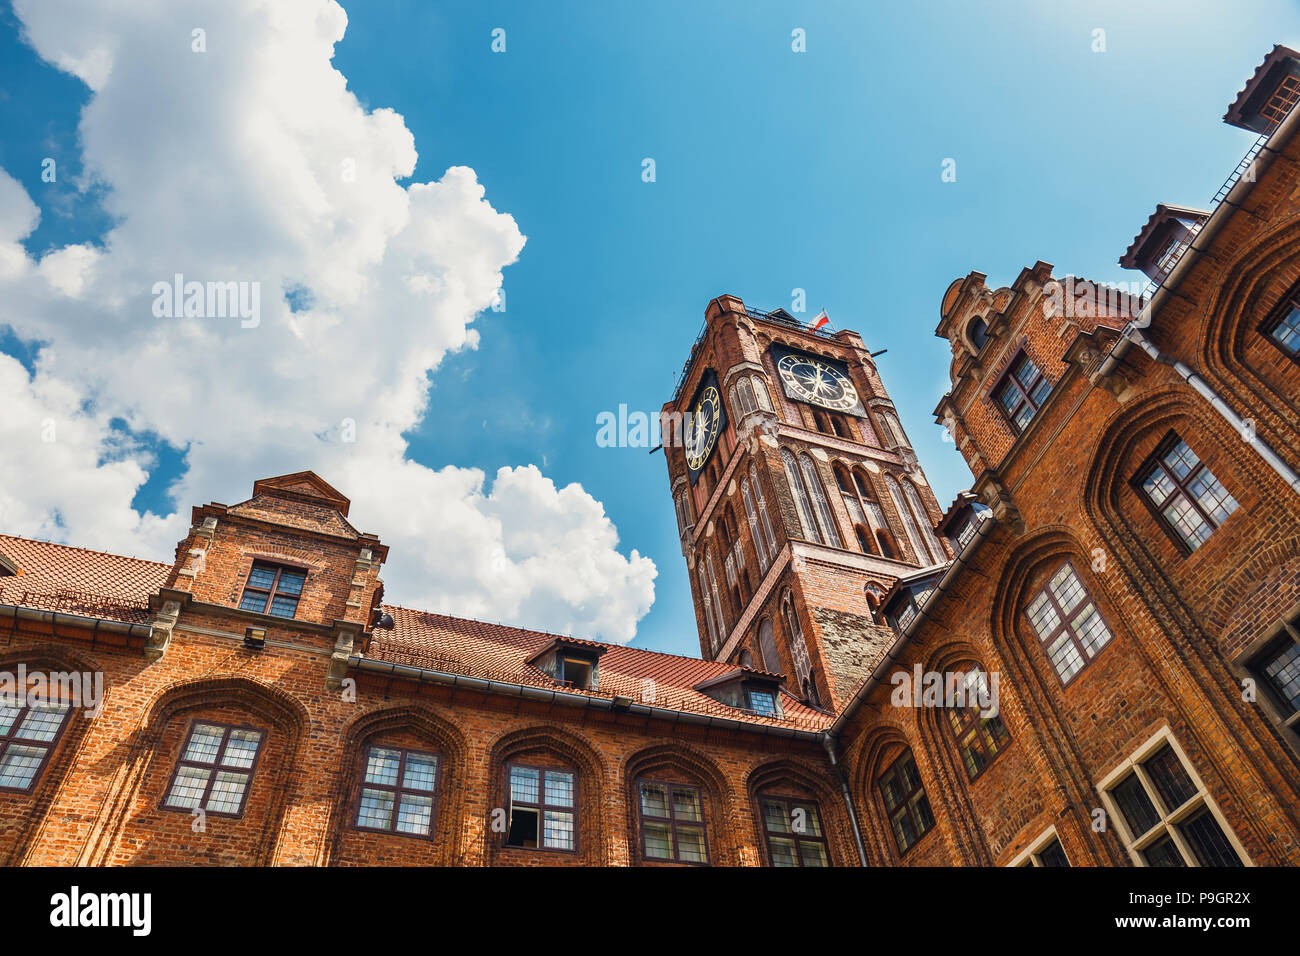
(1009, 396)
(654, 800)
(19, 764)
(253, 602)
(1068, 588)
(414, 814)
(420, 773)
(762, 702)
(1207, 840)
(1052, 855)
(1163, 853)
(1065, 657)
(1026, 372)
(1091, 630)
(524, 784)
(187, 789)
(1043, 616)
(241, 748)
(686, 805)
(1158, 485)
(1181, 460)
(1212, 496)
(557, 830)
(376, 809)
(804, 820)
(1287, 332)
(658, 841)
(8, 712)
(284, 606)
(813, 854)
(1138, 810)
(690, 845)
(261, 577)
(1187, 521)
(1282, 670)
(227, 792)
(775, 818)
(381, 766)
(782, 851)
(1170, 778)
(559, 789)
(42, 722)
(904, 830)
(205, 741)
(291, 582)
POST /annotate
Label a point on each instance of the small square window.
(1022, 392)
(1183, 493)
(273, 589)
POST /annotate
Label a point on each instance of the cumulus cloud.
(252, 162)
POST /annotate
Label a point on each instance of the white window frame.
(1136, 843)
(1029, 855)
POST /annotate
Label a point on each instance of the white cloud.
(253, 162)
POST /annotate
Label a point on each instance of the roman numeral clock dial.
(704, 427)
(817, 383)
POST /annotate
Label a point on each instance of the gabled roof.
(58, 577)
(303, 486)
(1164, 212)
(1236, 112)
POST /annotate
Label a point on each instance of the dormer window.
(571, 662)
(273, 589)
(1022, 392)
(761, 700)
(748, 690)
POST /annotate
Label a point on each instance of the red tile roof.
(498, 652)
(58, 577)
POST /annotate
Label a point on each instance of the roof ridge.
(527, 630)
(73, 547)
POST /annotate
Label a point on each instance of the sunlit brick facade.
(1124, 572)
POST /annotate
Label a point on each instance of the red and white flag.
(820, 319)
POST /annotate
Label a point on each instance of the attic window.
(580, 672)
(761, 701)
(273, 589)
(979, 334)
(1284, 97)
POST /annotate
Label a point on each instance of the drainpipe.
(1133, 332)
(829, 743)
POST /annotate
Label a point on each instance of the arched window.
(865, 542)
(919, 551)
(761, 394)
(764, 516)
(821, 508)
(979, 333)
(672, 822)
(714, 595)
(542, 807)
(793, 830)
(976, 723)
(906, 805)
(743, 396)
(928, 536)
(751, 515)
(802, 503)
(863, 509)
(682, 502)
(767, 647)
(746, 659)
(798, 647)
(838, 426)
(707, 602)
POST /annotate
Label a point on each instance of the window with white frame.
(1163, 812)
(1045, 851)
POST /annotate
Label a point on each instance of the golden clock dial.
(703, 428)
(816, 382)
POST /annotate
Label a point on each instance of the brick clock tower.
(798, 497)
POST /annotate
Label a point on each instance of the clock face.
(704, 427)
(816, 382)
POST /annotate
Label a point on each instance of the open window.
(542, 811)
(746, 689)
(571, 661)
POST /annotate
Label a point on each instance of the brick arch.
(48, 657)
(442, 736)
(1250, 284)
(783, 774)
(595, 844)
(719, 809)
(280, 711)
(878, 749)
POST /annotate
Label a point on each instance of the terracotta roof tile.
(59, 577)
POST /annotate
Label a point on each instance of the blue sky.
(775, 170)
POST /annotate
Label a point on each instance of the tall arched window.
(715, 594)
(707, 601)
(802, 504)
(821, 508)
(923, 522)
(979, 333)
(751, 516)
(976, 723)
(764, 516)
(909, 521)
(799, 650)
(867, 515)
(767, 647)
(906, 804)
(682, 502)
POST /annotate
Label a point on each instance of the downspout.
(829, 743)
(1133, 332)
